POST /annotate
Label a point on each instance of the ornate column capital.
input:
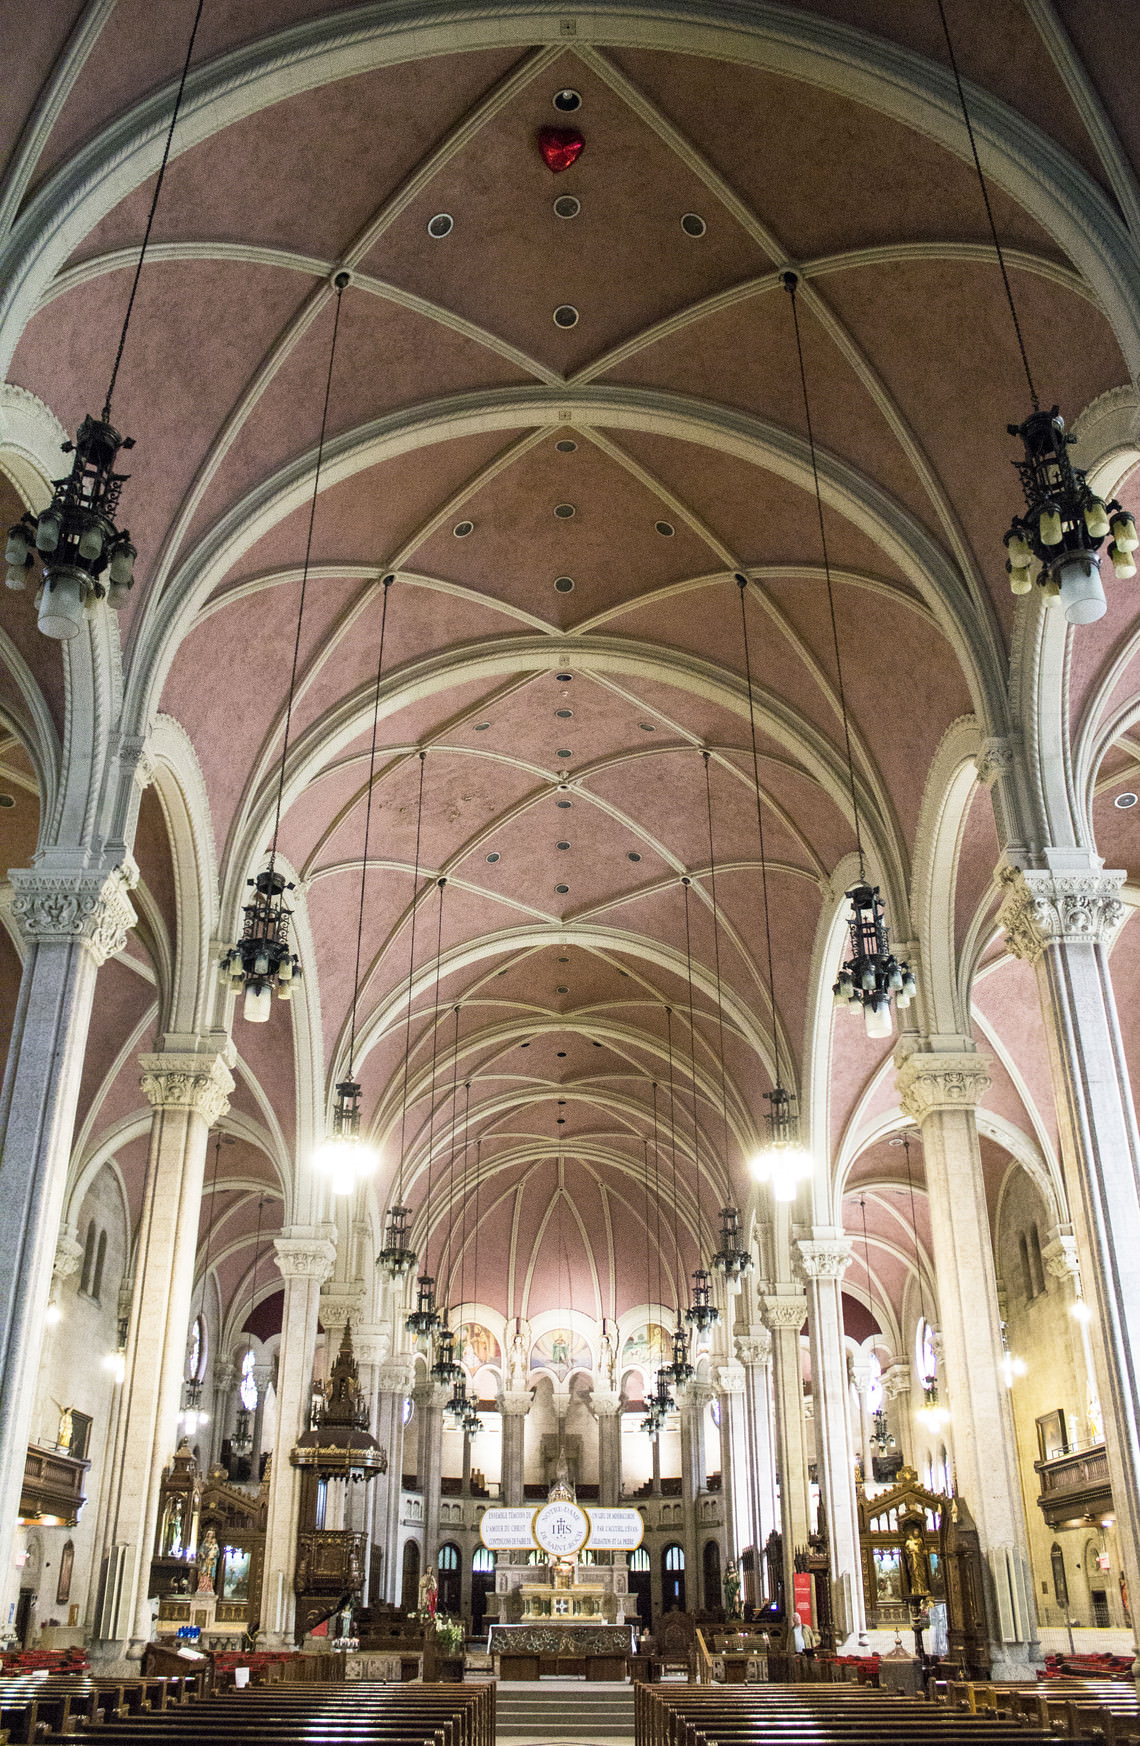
(342, 1302)
(787, 1311)
(225, 1374)
(393, 1377)
(371, 1342)
(514, 1403)
(1043, 908)
(604, 1404)
(754, 1348)
(1061, 1258)
(730, 1378)
(201, 1083)
(995, 759)
(305, 1254)
(896, 1380)
(929, 1082)
(66, 905)
(68, 1255)
(430, 1395)
(824, 1257)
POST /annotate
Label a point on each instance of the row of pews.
(804, 1715)
(1070, 1708)
(167, 1711)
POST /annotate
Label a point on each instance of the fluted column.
(754, 1351)
(391, 1393)
(785, 1315)
(1063, 924)
(514, 1404)
(696, 1399)
(188, 1094)
(824, 1259)
(72, 923)
(606, 1408)
(430, 1398)
(738, 1534)
(939, 1090)
(305, 1257)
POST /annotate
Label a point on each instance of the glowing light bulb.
(53, 1314)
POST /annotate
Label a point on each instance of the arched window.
(639, 1560)
(673, 1578)
(1026, 1269)
(482, 1560)
(88, 1260)
(100, 1257)
(1035, 1261)
(450, 1566)
(448, 1557)
(925, 1357)
(674, 1558)
(247, 1388)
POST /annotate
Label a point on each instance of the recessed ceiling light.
(564, 714)
(564, 960)
(564, 845)
(596, 1045)
(648, 727)
(562, 890)
(561, 1102)
(665, 528)
(481, 727)
(462, 529)
(1123, 801)
(564, 511)
(632, 855)
(562, 1054)
(564, 584)
(7, 800)
(564, 678)
(560, 1121)
(566, 206)
(441, 225)
(493, 856)
(566, 315)
(500, 972)
(524, 1045)
(566, 446)
(567, 100)
(693, 224)
(564, 804)
(563, 754)
(562, 990)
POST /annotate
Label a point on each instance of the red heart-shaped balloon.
(560, 146)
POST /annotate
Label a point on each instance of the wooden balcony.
(52, 1492)
(1075, 1486)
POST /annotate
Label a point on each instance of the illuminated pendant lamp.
(345, 1158)
(397, 1257)
(872, 977)
(1055, 542)
(84, 555)
(262, 960)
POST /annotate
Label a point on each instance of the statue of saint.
(916, 1563)
(516, 1364)
(429, 1594)
(207, 1561)
(731, 1590)
(172, 1539)
(607, 1364)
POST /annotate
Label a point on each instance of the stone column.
(305, 1257)
(896, 1387)
(1063, 924)
(72, 922)
(863, 1412)
(514, 1404)
(696, 1399)
(391, 1393)
(606, 1408)
(785, 1315)
(738, 1532)
(824, 1259)
(754, 1351)
(430, 1398)
(188, 1093)
(939, 1091)
(225, 1378)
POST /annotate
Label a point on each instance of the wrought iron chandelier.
(872, 974)
(445, 1368)
(397, 1257)
(881, 1438)
(659, 1405)
(679, 1370)
(702, 1312)
(85, 556)
(731, 1258)
(191, 1416)
(782, 1161)
(424, 1319)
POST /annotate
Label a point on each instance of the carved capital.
(995, 759)
(58, 908)
(514, 1403)
(604, 1404)
(225, 1374)
(341, 1303)
(68, 1255)
(1061, 1258)
(1041, 908)
(309, 1255)
(730, 1378)
(201, 1083)
(371, 1343)
(754, 1348)
(785, 1312)
(393, 1377)
(824, 1257)
(926, 1083)
(431, 1396)
(896, 1380)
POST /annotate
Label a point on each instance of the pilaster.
(754, 1350)
(785, 1313)
(823, 1259)
(514, 1404)
(392, 1386)
(605, 1405)
(430, 1398)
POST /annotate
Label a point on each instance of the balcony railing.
(52, 1491)
(1075, 1486)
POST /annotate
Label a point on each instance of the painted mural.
(561, 1350)
(648, 1346)
(477, 1346)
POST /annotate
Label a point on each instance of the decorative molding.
(896, 1380)
(995, 759)
(785, 1311)
(431, 1396)
(604, 1404)
(341, 1303)
(926, 1083)
(393, 1377)
(68, 1255)
(730, 1378)
(92, 909)
(1061, 1258)
(754, 1348)
(304, 1257)
(514, 1404)
(824, 1257)
(1041, 908)
(225, 1374)
(31, 438)
(201, 1083)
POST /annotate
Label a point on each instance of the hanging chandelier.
(424, 1319)
(85, 556)
(782, 1160)
(262, 960)
(345, 1158)
(731, 1259)
(445, 1368)
(679, 1370)
(457, 1406)
(472, 1423)
(872, 974)
(702, 1312)
(658, 1406)
(192, 1416)
(397, 1256)
(241, 1438)
(881, 1439)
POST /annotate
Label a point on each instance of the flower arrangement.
(450, 1632)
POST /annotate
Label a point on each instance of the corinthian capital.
(305, 1254)
(603, 1403)
(730, 1378)
(754, 1348)
(68, 1255)
(933, 1082)
(64, 906)
(341, 1303)
(824, 1257)
(1061, 1258)
(199, 1082)
(514, 1403)
(785, 1312)
(1041, 908)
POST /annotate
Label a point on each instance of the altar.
(533, 1651)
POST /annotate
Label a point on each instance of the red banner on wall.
(801, 1591)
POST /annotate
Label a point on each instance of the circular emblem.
(561, 1529)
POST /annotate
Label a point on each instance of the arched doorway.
(450, 1565)
(641, 1584)
(711, 1561)
(482, 1584)
(673, 1579)
(410, 1583)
